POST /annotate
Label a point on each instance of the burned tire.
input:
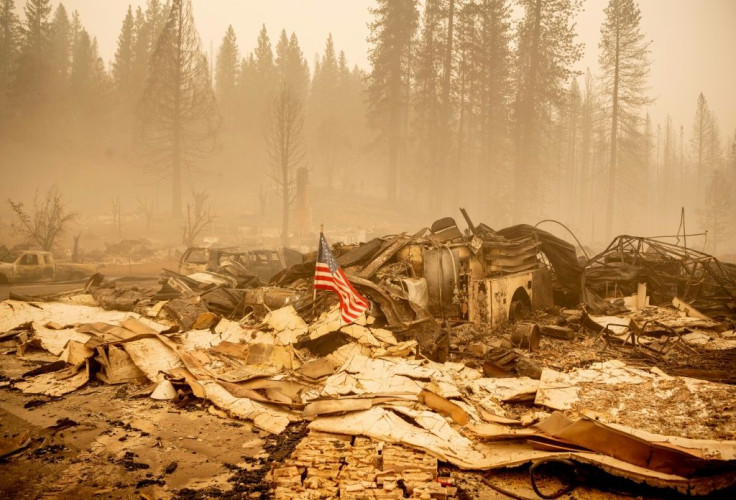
(521, 306)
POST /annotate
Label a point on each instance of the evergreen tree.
(568, 180)
(228, 58)
(264, 66)
(9, 40)
(30, 89)
(257, 82)
(429, 100)
(148, 27)
(545, 56)
(141, 53)
(717, 216)
(82, 72)
(324, 107)
(392, 31)
(731, 154)
(256, 88)
(90, 89)
(248, 89)
(60, 53)
(291, 67)
(705, 143)
(495, 90)
(285, 135)
(122, 66)
(76, 29)
(177, 113)
(624, 60)
(650, 166)
(589, 120)
(464, 89)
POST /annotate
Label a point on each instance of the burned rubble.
(483, 350)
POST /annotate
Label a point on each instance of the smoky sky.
(692, 40)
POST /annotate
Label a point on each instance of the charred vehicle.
(479, 276)
(38, 265)
(263, 264)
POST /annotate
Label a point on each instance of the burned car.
(263, 264)
(39, 265)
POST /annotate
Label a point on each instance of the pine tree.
(122, 66)
(717, 216)
(76, 28)
(226, 75)
(264, 66)
(149, 25)
(177, 113)
(352, 117)
(650, 167)
(731, 154)
(324, 106)
(589, 114)
(60, 54)
(141, 54)
(494, 94)
(705, 143)
(429, 123)
(285, 135)
(291, 68)
(9, 44)
(256, 88)
(30, 88)
(83, 67)
(624, 60)
(570, 175)
(90, 89)
(545, 56)
(392, 31)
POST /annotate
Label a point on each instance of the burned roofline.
(670, 270)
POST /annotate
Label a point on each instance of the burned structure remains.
(484, 350)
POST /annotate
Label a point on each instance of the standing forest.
(478, 104)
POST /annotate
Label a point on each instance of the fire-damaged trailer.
(478, 275)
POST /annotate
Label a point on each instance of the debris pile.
(438, 371)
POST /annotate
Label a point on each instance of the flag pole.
(314, 290)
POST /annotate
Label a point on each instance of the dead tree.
(198, 217)
(116, 219)
(285, 139)
(76, 257)
(145, 206)
(47, 222)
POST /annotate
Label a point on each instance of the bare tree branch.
(198, 217)
(48, 221)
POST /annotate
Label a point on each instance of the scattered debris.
(461, 359)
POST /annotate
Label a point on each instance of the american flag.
(329, 276)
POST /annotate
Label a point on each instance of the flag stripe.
(329, 276)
